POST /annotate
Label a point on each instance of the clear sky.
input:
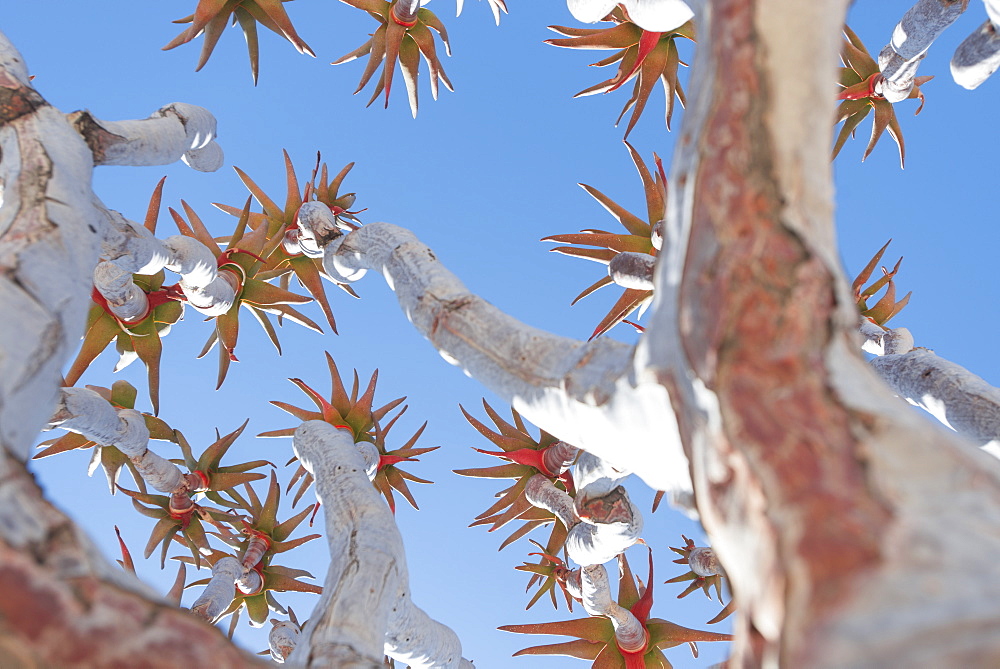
(481, 175)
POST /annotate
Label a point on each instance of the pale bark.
(63, 604)
(85, 412)
(978, 56)
(949, 392)
(365, 609)
(596, 395)
(912, 37)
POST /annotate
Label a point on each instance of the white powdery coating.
(208, 291)
(632, 270)
(542, 493)
(978, 57)
(954, 395)
(593, 395)
(417, 640)
(173, 132)
(219, 592)
(131, 246)
(282, 639)
(85, 412)
(595, 477)
(365, 603)
(369, 453)
(596, 598)
(654, 15)
(916, 31)
(126, 300)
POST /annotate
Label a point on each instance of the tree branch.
(365, 609)
(595, 395)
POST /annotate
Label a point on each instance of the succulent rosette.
(355, 411)
(641, 236)
(404, 36)
(645, 56)
(283, 260)
(860, 81)
(595, 636)
(211, 16)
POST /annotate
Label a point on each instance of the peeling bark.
(63, 605)
(830, 505)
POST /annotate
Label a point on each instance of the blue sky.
(481, 175)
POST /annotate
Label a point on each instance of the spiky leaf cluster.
(645, 56)
(523, 454)
(189, 527)
(211, 16)
(138, 339)
(595, 636)
(639, 238)
(550, 571)
(279, 221)
(705, 583)
(242, 260)
(402, 40)
(355, 411)
(260, 521)
(860, 81)
(886, 306)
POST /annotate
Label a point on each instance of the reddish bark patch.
(761, 314)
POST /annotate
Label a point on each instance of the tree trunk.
(848, 524)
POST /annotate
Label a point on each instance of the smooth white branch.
(177, 131)
(85, 412)
(978, 56)
(595, 591)
(365, 610)
(218, 594)
(949, 392)
(597, 395)
(916, 31)
(134, 250)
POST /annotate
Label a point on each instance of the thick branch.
(588, 393)
(833, 507)
(978, 56)
(365, 609)
(949, 392)
(916, 31)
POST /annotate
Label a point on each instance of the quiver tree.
(832, 507)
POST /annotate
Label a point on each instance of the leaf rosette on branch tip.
(179, 513)
(550, 571)
(643, 238)
(595, 637)
(861, 84)
(121, 395)
(282, 255)
(355, 411)
(526, 457)
(647, 57)
(705, 573)
(886, 306)
(241, 263)
(211, 16)
(404, 35)
(139, 338)
(258, 539)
